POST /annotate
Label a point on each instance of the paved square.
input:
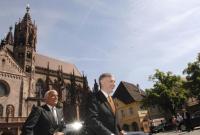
(194, 132)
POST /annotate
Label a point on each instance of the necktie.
(112, 105)
(55, 114)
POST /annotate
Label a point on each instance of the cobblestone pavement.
(194, 132)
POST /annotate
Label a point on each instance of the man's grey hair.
(48, 92)
(103, 76)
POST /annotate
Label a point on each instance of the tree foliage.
(167, 92)
(193, 78)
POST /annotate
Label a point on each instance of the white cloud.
(173, 21)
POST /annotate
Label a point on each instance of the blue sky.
(129, 38)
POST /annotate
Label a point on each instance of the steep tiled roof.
(128, 93)
(42, 61)
(134, 91)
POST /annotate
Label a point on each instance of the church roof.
(128, 93)
(42, 61)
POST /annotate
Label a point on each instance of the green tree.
(167, 92)
(193, 78)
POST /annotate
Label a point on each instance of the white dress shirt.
(53, 110)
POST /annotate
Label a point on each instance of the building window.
(131, 111)
(1, 110)
(3, 61)
(40, 88)
(28, 55)
(122, 113)
(10, 110)
(4, 88)
(28, 69)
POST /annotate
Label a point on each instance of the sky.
(128, 38)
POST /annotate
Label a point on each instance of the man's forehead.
(53, 93)
(109, 77)
(112, 78)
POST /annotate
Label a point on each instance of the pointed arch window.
(4, 88)
(130, 111)
(40, 88)
(10, 110)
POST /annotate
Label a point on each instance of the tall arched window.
(10, 110)
(40, 88)
(1, 110)
(4, 88)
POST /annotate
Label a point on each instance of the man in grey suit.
(45, 120)
(101, 115)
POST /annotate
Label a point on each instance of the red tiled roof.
(42, 61)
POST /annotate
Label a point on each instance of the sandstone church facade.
(26, 75)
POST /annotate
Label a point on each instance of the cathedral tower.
(25, 38)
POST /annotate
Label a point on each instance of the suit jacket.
(100, 118)
(41, 122)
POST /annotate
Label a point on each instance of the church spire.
(96, 87)
(27, 8)
(9, 38)
(3, 41)
(27, 17)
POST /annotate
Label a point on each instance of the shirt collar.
(105, 94)
(50, 107)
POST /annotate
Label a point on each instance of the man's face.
(108, 84)
(52, 98)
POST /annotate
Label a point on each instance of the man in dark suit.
(101, 115)
(45, 120)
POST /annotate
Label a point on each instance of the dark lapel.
(58, 111)
(49, 114)
(105, 101)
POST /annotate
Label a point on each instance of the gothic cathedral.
(26, 75)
